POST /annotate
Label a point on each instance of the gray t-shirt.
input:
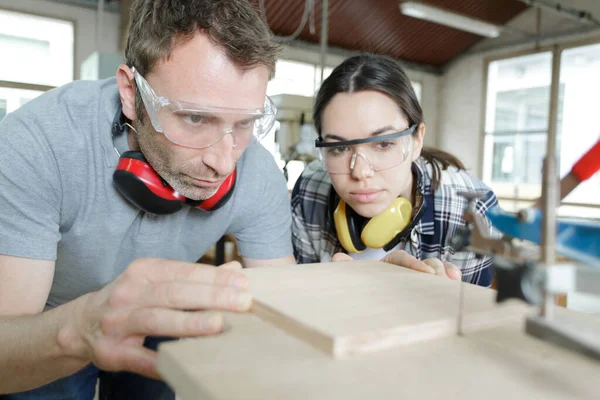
(58, 201)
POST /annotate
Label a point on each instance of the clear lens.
(197, 126)
(380, 155)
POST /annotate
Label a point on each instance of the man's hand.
(401, 258)
(152, 298)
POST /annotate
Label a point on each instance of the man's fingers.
(341, 257)
(140, 360)
(173, 323)
(403, 259)
(232, 266)
(157, 270)
(452, 271)
(193, 296)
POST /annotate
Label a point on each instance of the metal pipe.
(550, 181)
(308, 9)
(99, 23)
(543, 40)
(324, 33)
(569, 12)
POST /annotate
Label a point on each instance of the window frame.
(33, 86)
(556, 50)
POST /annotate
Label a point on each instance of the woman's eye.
(336, 151)
(385, 145)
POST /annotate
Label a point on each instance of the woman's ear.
(418, 141)
(126, 91)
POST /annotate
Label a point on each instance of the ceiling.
(378, 26)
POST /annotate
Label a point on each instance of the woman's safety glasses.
(196, 126)
(379, 152)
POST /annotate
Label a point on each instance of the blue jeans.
(113, 385)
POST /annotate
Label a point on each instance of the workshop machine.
(532, 273)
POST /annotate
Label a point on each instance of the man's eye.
(247, 123)
(194, 119)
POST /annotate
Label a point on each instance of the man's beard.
(160, 159)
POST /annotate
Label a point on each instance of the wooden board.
(316, 329)
(254, 360)
(361, 306)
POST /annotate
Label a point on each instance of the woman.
(376, 193)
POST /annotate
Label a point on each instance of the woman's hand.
(401, 258)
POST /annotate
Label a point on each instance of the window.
(294, 77)
(519, 135)
(580, 122)
(37, 55)
(11, 99)
(518, 102)
(517, 117)
(304, 79)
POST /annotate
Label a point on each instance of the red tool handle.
(587, 165)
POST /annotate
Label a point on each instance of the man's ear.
(418, 141)
(126, 91)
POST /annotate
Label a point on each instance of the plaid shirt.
(315, 240)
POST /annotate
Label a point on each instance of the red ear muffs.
(142, 186)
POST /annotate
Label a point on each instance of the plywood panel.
(255, 360)
(361, 306)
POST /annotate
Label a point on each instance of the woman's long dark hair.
(385, 75)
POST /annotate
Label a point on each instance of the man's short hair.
(158, 25)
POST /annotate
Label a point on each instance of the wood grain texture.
(254, 360)
(316, 328)
(360, 306)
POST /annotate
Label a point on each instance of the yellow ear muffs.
(345, 226)
(383, 228)
(356, 233)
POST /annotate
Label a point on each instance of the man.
(91, 264)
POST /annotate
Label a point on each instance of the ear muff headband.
(133, 162)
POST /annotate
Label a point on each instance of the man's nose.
(219, 156)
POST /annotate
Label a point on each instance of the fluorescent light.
(443, 17)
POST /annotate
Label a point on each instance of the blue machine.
(575, 239)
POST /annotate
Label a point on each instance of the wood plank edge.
(347, 346)
(176, 375)
(314, 337)
(367, 342)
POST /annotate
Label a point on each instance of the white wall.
(460, 112)
(461, 101)
(429, 103)
(85, 25)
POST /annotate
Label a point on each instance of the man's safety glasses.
(197, 126)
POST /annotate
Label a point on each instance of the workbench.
(361, 330)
